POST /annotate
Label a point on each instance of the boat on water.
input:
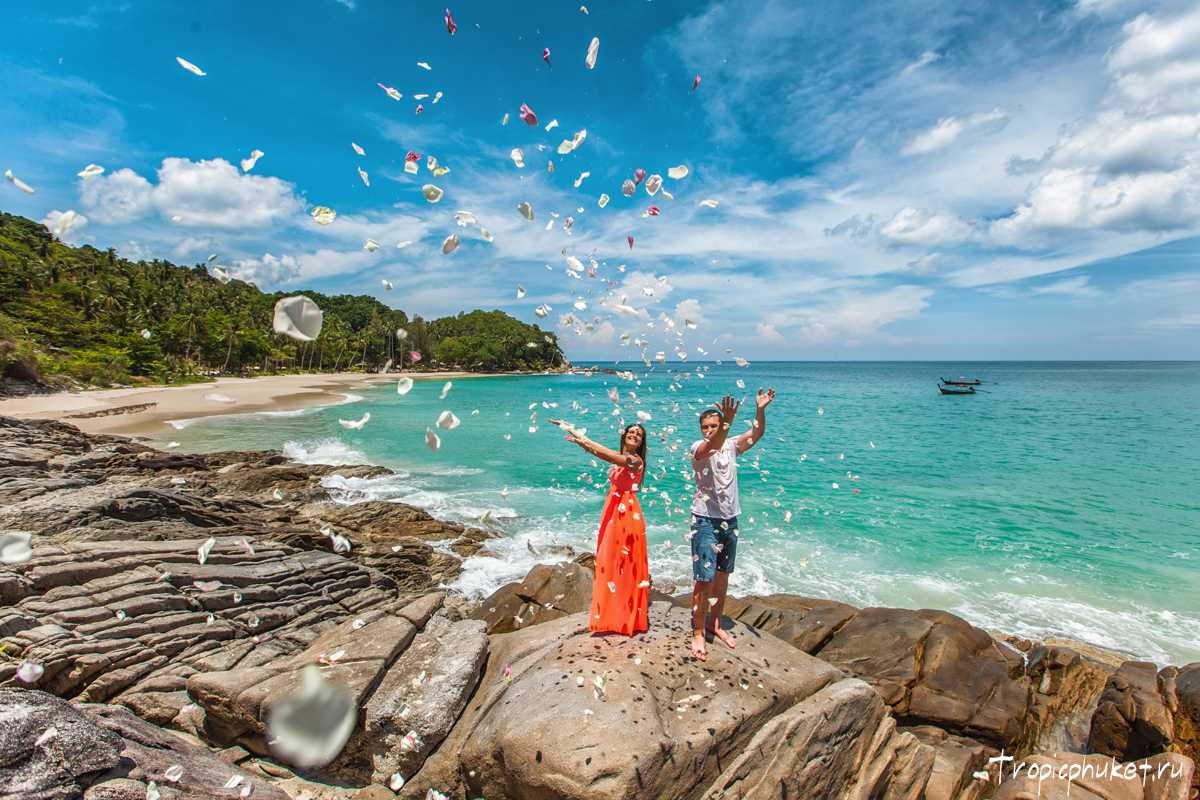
(955, 389)
(962, 381)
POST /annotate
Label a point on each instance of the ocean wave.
(325, 451)
(180, 424)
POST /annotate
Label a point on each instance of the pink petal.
(546, 55)
(695, 81)
(420, 108)
(414, 356)
(652, 211)
(411, 156)
(638, 175)
(450, 26)
(630, 240)
(527, 115)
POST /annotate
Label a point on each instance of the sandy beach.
(144, 411)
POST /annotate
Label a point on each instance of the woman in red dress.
(621, 588)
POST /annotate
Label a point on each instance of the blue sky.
(895, 180)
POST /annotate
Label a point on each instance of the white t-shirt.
(716, 482)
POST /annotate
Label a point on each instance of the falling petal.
(644, 416)
(592, 52)
(447, 421)
(424, 65)
(741, 362)
(695, 81)
(437, 96)
(451, 27)
(14, 548)
(362, 174)
(432, 440)
(603, 200)
(710, 203)
(404, 386)
(551, 125)
(527, 115)
(370, 245)
(526, 211)
(30, 672)
(17, 182)
(323, 215)
(387, 285)
(485, 234)
(249, 162)
(309, 726)
(356, 424)
(391, 92)
(546, 55)
(414, 356)
(204, 549)
(298, 317)
(520, 291)
(678, 173)
(504, 119)
(358, 149)
(419, 108)
(465, 218)
(404, 244)
(542, 311)
(653, 184)
(432, 193)
(401, 334)
(450, 245)
(582, 177)
(653, 211)
(190, 67)
(91, 171)
(630, 240)
(446, 390)
(518, 157)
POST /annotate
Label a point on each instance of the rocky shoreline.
(159, 665)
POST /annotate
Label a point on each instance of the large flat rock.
(660, 725)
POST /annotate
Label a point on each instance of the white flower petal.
(432, 193)
(447, 421)
(710, 203)
(91, 171)
(518, 157)
(15, 547)
(204, 549)
(603, 200)
(190, 67)
(526, 211)
(592, 52)
(358, 149)
(17, 182)
(678, 173)
(432, 440)
(404, 386)
(249, 162)
(323, 215)
(309, 727)
(298, 317)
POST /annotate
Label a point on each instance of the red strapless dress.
(621, 591)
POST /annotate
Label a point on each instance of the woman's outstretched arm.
(599, 450)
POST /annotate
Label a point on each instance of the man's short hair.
(711, 412)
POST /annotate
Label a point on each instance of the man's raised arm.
(751, 437)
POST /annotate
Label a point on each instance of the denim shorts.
(714, 546)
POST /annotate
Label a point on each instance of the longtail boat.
(954, 389)
(961, 381)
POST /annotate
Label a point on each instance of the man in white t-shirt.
(715, 510)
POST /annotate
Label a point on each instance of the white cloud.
(920, 227)
(266, 272)
(119, 196)
(857, 315)
(211, 193)
(1077, 286)
(67, 226)
(768, 333)
(192, 244)
(948, 129)
(927, 58)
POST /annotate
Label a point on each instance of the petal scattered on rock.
(15, 548)
(298, 317)
(204, 549)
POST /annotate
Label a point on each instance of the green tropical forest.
(78, 315)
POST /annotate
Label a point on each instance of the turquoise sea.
(1063, 499)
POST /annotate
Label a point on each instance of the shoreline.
(145, 411)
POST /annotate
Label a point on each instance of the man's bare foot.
(725, 636)
(699, 651)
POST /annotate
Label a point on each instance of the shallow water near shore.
(1060, 501)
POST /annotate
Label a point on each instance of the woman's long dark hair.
(641, 451)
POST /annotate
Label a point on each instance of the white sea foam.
(324, 451)
(180, 424)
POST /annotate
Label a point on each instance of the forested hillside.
(100, 319)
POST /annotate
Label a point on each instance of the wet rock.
(956, 761)
(1133, 718)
